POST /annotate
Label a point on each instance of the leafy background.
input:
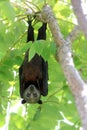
(58, 111)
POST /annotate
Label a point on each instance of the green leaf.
(32, 52)
(16, 122)
(37, 114)
(2, 122)
(45, 118)
(7, 10)
(68, 127)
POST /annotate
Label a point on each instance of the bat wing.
(21, 81)
(45, 77)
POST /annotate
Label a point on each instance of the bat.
(33, 74)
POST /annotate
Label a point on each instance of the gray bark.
(81, 17)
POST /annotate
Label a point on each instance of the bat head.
(31, 94)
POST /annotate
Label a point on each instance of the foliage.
(58, 110)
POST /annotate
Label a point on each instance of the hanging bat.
(33, 74)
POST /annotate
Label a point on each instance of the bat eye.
(28, 94)
(35, 94)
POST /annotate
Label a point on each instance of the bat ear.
(23, 101)
(40, 102)
(30, 33)
(42, 32)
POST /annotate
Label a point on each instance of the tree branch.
(73, 34)
(81, 17)
(77, 85)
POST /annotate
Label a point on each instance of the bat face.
(31, 94)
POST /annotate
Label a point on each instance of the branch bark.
(64, 55)
(81, 17)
